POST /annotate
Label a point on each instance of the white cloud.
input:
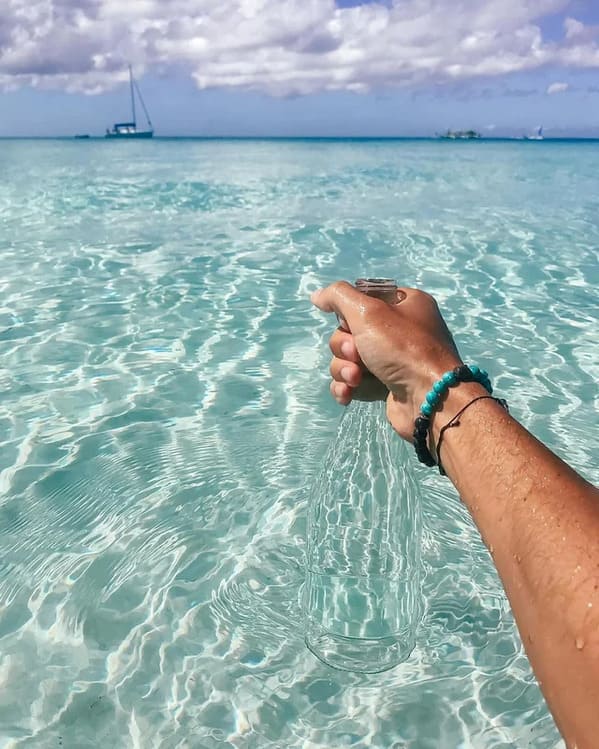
(557, 88)
(282, 47)
(573, 28)
(577, 31)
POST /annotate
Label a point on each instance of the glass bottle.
(362, 599)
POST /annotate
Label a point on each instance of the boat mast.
(132, 94)
(143, 104)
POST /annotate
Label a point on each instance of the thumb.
(343, 299)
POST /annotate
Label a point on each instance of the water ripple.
(163, 410)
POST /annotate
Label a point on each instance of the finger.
(346, 371)
(341, 392)
(345, 300)
(343, 346)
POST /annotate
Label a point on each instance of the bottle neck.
(384, 289)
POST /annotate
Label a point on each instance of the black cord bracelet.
(455, 422)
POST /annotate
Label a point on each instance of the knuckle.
(337, 287)
(335, 340)
(420, 295)
(334, 369)
(424, 298)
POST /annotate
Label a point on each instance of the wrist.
(432, 373)
(477, 413)
(403, 404)
(437, 404)
(456, 398)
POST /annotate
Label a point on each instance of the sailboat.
(537, 136)
(129, 129)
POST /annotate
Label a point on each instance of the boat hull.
(141, 135)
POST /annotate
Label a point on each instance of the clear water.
(163, 409)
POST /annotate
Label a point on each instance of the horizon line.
(87, 136)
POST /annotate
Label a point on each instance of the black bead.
(421, 426)
(463, 373)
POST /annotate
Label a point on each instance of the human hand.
(406, 347)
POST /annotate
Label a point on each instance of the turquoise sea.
(164, 407)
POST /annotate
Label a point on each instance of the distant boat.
(538, 135)
(81, 136)
(460, 135)
(129, 129)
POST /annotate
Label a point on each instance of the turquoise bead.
(426, 409)
(449, 380)
(432, 397)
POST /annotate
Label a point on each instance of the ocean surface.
(164, 409)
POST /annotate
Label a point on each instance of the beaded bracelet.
(463, 373)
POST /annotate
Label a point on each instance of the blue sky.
(302, 67)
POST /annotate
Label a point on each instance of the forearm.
(540, 521)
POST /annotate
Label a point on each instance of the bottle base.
(360, 655)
